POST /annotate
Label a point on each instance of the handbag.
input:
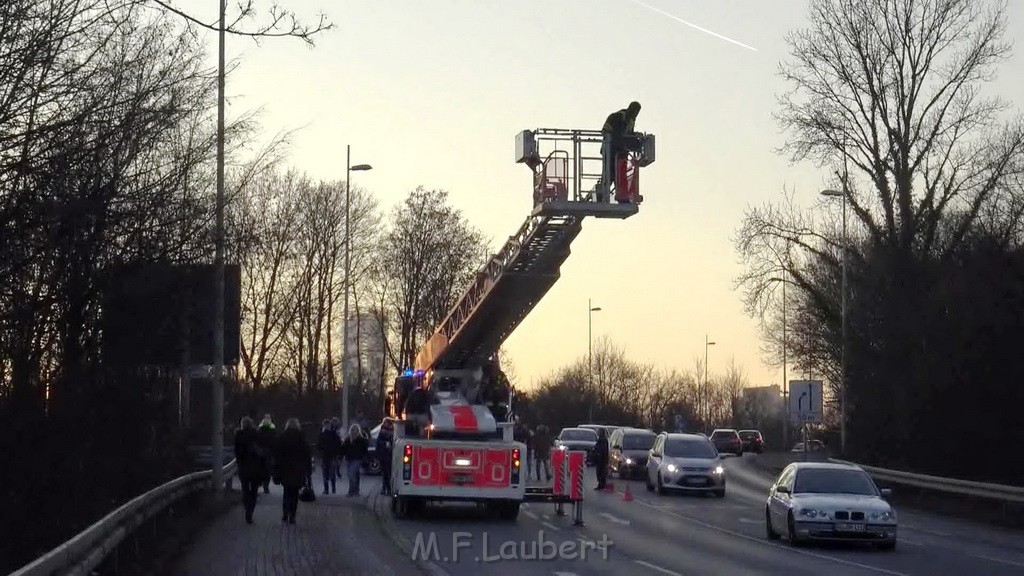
(306, 494)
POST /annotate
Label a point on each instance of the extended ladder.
(514, 280)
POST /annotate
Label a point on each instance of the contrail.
(691, 25)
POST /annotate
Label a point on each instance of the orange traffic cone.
(627, 494)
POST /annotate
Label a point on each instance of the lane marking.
(751, 521)
(614, 519)
(531, 514)
(1000, 560)
(658, 568)
(927, 531)
(564, 574)
(903, 540)
(552, 526)
(779, 546)
(546, 516)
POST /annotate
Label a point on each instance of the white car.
(826, 501)
(685, 462)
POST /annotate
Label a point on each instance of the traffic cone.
(627, 494)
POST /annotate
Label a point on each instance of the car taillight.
(407, 462)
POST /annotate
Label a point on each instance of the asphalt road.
(690, 536)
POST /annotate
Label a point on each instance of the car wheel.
(791, 525)
(772, 535)
(661, 486)
(888, 546)
(373, 465)
(720, 493)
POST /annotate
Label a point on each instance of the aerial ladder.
(453, 437)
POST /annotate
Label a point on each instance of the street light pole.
(347, 285)
(218, 264)
(785, 382)
(704, 396)
(590, 354)
(842, 385)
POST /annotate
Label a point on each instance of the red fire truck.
(453, 409)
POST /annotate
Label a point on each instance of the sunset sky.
(433, 93)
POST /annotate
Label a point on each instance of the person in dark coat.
(292, 466)
(383, 451)
(601, 458)
(616, 127)
(268, 436)
(542, 442)
(253, 464)
(355, 447)
(329, 446)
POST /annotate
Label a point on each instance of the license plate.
(849, 527)
(461, 478)
(696, 480)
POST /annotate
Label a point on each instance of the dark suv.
(727, 441)
(628, 448)
(752, 441)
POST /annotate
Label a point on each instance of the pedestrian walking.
(253, 465)
(601, 458)
(293, 463)
(329, 446)
(355, 447)
(268, 437)
(383, 452)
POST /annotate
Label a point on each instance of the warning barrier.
(569, 468)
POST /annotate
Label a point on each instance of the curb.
(387, 525)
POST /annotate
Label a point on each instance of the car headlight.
(887, 516)
(672, 468)
(719, 470)
(629, 460)
(813, 513)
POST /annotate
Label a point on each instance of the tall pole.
(785, 382)
(344, 322)
(590, 354)
(218, 264)
(704, 396)
(842, 400)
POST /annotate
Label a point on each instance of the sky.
(433, 94)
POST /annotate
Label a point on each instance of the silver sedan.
(826, 501)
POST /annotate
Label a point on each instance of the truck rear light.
(407, 462)
(514, 476)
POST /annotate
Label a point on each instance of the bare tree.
(430, 254)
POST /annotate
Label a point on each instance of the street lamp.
(217, 474)
(842, 384)
(707, 404)
(785, 382)
(348, 239)
(590, 353)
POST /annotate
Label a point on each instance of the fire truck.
(452, 410)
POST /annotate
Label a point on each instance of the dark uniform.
(616, 127)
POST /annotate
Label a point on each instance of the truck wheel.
(509, 510)
(400, 506)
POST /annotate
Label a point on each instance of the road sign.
(806, 404)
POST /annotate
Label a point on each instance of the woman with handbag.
(293, 465)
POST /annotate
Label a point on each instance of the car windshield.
(578, 434)
(833, 481)
(638, 441)
(722, 435)
(689, 448)
(748, 435)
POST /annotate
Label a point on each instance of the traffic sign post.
(806, 405)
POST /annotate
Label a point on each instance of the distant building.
(365, 347)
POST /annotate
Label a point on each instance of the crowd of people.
(286, 459)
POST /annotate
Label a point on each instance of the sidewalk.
(334, 535)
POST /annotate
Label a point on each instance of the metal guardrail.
(951, 485)
(88, 549)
